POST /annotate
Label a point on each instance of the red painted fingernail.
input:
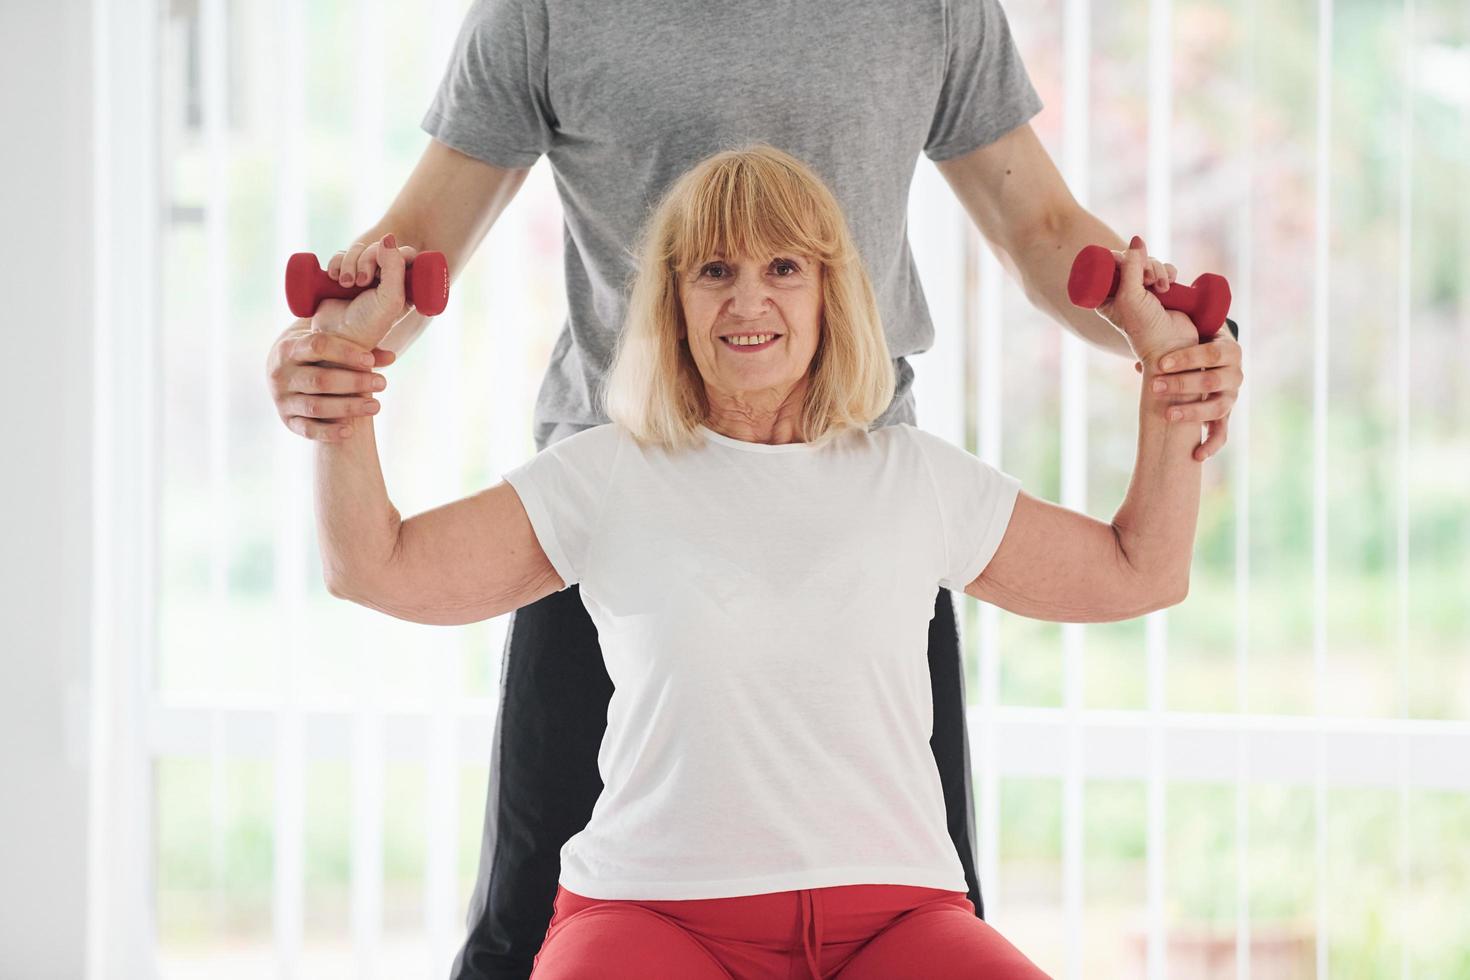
(390, 241)
(1136, 243)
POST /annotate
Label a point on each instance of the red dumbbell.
(1094, 280)
(426, 284)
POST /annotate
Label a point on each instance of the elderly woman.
(770, 803)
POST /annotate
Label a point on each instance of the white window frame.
(133, 726)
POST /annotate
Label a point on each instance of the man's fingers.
(320, 431)
(1216, 406)
(327, 407)
(320, 346)
(1211, 353)
(1199, 382)
(314, 379)
(1216, 440)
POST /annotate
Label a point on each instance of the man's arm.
(1017, 198)
(448, 204)
(1021, 205)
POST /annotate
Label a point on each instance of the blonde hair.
(754, 201)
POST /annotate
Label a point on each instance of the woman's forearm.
(357, 525)
(1156, 523)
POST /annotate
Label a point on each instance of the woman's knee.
(623, 943)
(940, 944)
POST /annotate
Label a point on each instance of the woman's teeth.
(749, 341)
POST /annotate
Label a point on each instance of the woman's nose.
(749, 298)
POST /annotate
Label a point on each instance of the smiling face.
(776, 299)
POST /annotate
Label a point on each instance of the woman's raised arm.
(464, 562)
(460, 563)
(1059, 565)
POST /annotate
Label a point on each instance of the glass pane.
(326, 940)
(1283, 148)
(1282, 867)
(406, 950)
(1115, 879)
(474, 783)
(1362, 873)
(1433, 901)
(1207, 183)
(1362, 354)
(1438, 619)
(214, 846)
(1028, 911)
(1200, 880)
(1030, 651)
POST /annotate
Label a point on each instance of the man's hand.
(320, 382)
(320, 376)
(1213, 370)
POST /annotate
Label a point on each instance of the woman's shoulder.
(594, 449)
(590, 439)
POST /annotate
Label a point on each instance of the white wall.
(45, 484)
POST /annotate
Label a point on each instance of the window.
(1268, 780)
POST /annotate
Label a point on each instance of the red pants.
(847, 932)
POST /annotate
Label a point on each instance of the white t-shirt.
(763, 612)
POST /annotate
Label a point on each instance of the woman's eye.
(780, 264)
(714, 267)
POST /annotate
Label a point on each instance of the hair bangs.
(755, 207)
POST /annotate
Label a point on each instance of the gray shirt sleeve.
(492, 102)
(986, 92)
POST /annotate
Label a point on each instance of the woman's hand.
(368, 316)
(1137, 312)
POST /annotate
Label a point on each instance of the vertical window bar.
(1319, 458)
(442, 763)
(1241, 480)
(1160, 225)
(441, 817)
(367, 761)
(121, 911)
(216, 250)
(1401, 633)
(1077, 44)
(292, 468)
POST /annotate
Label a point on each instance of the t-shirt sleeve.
(975, 502)
(564, 488)
(986, 92)
(492, 102)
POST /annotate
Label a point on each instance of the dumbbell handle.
(425, 284)
(1094, 281)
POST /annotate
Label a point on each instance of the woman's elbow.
(340, 586)
(1170, 593)
(344, 583)
(1149, 597)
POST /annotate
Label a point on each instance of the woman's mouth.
(751, 343)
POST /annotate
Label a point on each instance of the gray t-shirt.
(624, 98)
